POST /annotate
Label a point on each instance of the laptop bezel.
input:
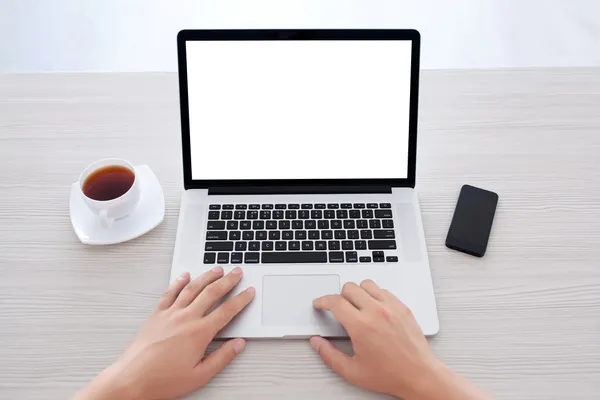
(298, 34)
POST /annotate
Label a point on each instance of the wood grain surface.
(522, 323)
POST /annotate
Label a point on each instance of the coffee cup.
(110, 189)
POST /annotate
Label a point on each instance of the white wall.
(139, 35)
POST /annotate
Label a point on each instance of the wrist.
(110, 384)
(426, 383)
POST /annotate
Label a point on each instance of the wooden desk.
(522, 323)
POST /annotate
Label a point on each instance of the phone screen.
(472, 222)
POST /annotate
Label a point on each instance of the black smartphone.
(472, 222)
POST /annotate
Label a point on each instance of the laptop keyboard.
(299, 233)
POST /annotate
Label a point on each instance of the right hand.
(391, 355)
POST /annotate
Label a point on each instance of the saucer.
(147, 215)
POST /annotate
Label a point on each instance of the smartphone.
(472, 221)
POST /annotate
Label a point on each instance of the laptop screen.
(314, 109)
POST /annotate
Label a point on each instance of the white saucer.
(148, 213)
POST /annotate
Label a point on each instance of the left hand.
(166, 360)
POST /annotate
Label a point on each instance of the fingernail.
(237, 271)
(239, 345)
(316, 342)
(217, 270)
(183, 276)
(251, 290)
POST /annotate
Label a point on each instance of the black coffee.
(108, 183)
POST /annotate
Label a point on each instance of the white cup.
(110, 210)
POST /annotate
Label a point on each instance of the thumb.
(220, 358)
(338, 361)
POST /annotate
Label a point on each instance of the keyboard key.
(213, 215)
(347, 245)
(360, 244)
(215, 225)
(280, 206)
(294, 206)
(252, 215)
(365, 259)
(291, 214)
(267, 246)
(374, 224)
(316, 214)
(378, 254)
(307, 206)
(294, 245)
(265, 215)
(384, 234)
(340, 234)
(300, 235)
(310, 224)
(366, 234)
(254, 246)
(274, 235)
(232, 225)
(367, 214)
(333, 245)
(254, 206)
(240, 246)
(336, 224)
(313, 235)
(371, 205)
(349, 224)
(216, 235)
(307, 245)
(241, 206)
(359, 205)
(267, 206)
(323, 224)
(329, 214)
(353, 234)
(271, 225)
(280, 246)
(351, 257)
(336, 257)
(248, 235)
(378, 259)
(251, 258)
(346, 205)
(294, 257)
(287, 235)
(362, 224)
(258, 225)
(209, 258)
(227, 206)
(321, 245)
(326, 234)
(385, 205)
(383, 214)
(214, 207)
(235, 235)
(387, 223)
(333, 206)
(354, 214)
(261, 235)
(244, 225)
(218, 246)
(237, 258)
(382, 244)
(391, 259)
(277, 214)
(297, 224)
(320, 206)
(303, 214)
(284, 224)
(341, 214)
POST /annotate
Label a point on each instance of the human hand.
(166, 359)
(391, 354)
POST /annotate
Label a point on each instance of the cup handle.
(105, 220)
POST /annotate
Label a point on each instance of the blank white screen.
(299, 109)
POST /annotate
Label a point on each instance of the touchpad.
(287, 299)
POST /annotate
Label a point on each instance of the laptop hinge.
(298, 189)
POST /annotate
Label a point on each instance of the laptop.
(299, 159)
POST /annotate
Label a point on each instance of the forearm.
(106, 386)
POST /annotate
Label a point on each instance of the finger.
(219, 359)
(338, 361)
(356, 295)
(170, 295)
(215, 292)
(341, 309)
(223, 314)
(195, 287)
(373, 289)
